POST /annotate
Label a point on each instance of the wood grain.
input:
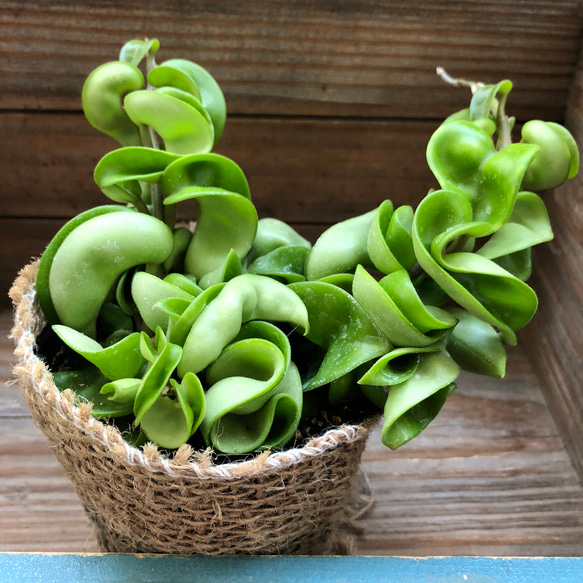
(298, 170)
(309, 172)
(555, 340)
(489, 477)
(356, 58)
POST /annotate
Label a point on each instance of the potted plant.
(209, 388)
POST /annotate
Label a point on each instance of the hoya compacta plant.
(231, 332)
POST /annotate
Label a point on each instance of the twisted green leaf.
(476, 346)
(118, 174)
(227, 219)
(156, 378)
(414, 403)
(527, 226)
(134, 51)
(228, 270)
(479, 285)
(182, 127)
(272, 234)
(102, 96)
(147, 291)
(340, 326)
(170, 422)
(119, 360)
(389, 244)
(284, 263)
(396, 310)
(211, 94)
(340, 248)
(464, 159)
(255, 398)
(246, 297)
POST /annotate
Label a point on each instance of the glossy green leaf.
(227, 221)
(123, 390)
(92, 257)
(414, 403)
(189, 99)
(558, 156)
(383, 302)
(519, 264)
(102, 100)
(284, 263)
(272, 234)
(182, 127)
(183, 313)
(389, 244)
(377, 247)
(340, 248)
(157, 377)
(474, 282)
(211, 94)
(44, 268)
(235, 424)
(394, 367)
(168, 76)
(340, 326)
(399, 236)
(344, 281)
(147, 291)
(183, 282)
(210, 170)
(476, 346)
(528, 225)
(170, 422)
(464, 159)
(230, 269)
(482, 104)
(119, 172)
(122, 359)
(244, 298)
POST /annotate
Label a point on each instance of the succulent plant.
(236, 329)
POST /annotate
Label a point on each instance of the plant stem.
(447, 78)
(151, 140)
(502, 125)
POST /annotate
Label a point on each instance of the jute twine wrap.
(140, 501)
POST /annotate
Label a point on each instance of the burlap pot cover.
(140, 501)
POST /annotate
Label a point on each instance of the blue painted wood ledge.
(113, 568)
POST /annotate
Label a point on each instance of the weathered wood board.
(490, 476)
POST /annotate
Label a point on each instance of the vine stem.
(503, 122)
(503, 125)
(455, 82)
(153, 142)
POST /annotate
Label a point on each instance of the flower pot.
(140, 501)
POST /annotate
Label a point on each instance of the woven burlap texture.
(140, 501)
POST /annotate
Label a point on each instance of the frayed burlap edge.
(95, 453)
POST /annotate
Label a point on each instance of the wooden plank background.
(331, 103)
(555, 339)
